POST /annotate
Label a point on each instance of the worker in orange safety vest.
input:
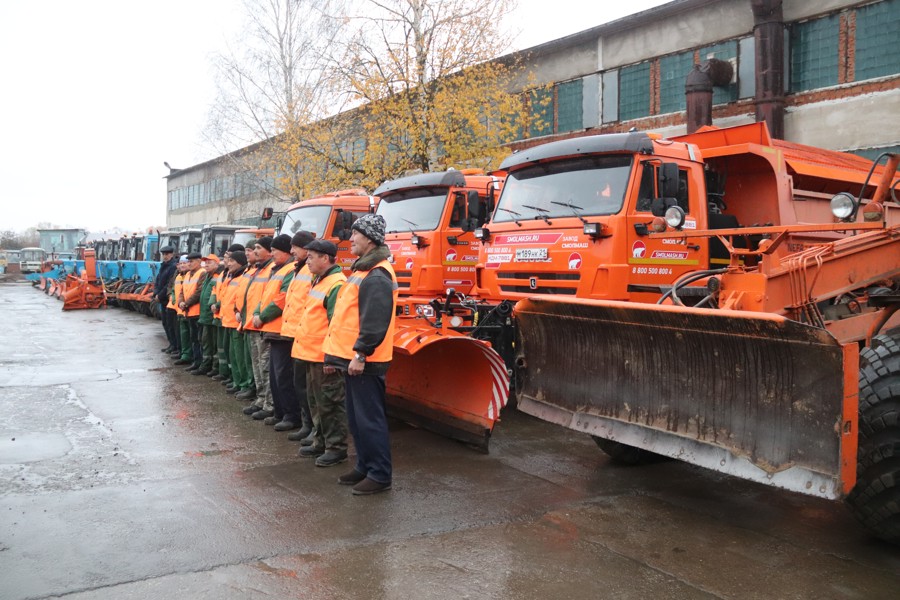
(359, 343)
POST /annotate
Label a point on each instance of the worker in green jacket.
(208, 333)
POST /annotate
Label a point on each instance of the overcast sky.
(97, 94)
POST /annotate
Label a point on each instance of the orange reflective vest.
(226, 296)
(294, 302)
(272, 294)
(240, 296)
(188, 288)
(344, 328)
(254, 293)
(314, 322)
(217, 289)
(179, 281)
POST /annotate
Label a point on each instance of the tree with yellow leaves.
(427, 88)
(354, 92)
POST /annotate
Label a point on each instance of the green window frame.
(876, 52)
(541, 122)
(673, 70)
(634, 91)
(814, 54)
(569, 106)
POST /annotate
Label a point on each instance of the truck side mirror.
(267, 213)
(346, 224)
(667, 180)
(475, 209)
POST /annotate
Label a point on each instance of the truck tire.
(623, 454)
(875, 499)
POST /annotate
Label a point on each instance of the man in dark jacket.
(161, 292)
(360, 343)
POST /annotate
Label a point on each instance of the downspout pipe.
(768, 35)
(698, 90)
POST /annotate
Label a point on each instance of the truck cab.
(575, 219)
(430, 222)
(330, 217)
(215, 239)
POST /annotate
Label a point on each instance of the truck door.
(459, 248)
(659, 262)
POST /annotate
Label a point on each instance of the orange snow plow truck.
(722, 298)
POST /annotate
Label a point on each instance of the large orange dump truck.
(769, 349)
(606, 219)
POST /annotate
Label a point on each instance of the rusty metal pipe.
(768, 33)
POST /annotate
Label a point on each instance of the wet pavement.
(122, 476)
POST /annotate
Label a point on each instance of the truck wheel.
(624, 454)
(875, 500)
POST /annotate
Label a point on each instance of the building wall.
(214, 193)
(687, 29)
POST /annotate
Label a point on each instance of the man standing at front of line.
(360, 342)
(161, 291)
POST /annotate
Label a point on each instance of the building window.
(569, 104)
(673, 70)
(634, 91)
(876, 52)
(814, 54)
(541, 112)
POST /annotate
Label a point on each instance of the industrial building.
(823, 73)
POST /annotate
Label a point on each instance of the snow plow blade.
(446, 382)
(753, 395)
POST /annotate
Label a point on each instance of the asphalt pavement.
(122, 476)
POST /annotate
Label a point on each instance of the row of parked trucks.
(722, 298)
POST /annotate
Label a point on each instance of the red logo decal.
(451, 255)
(409, 264)
(638, 249)
(574, 261)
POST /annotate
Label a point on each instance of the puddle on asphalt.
(21, 447)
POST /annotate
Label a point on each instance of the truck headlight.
(674, 217)
(842, 205)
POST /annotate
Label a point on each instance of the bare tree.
(348, 93)
(430, 90)
(269, 81)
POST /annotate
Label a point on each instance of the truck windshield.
(592, 185)
(244, 238)
(189, 243)
(216, 241)
(313, 219)
(413, 210)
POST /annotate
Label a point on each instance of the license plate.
(530, 254)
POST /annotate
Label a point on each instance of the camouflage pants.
(259, 362)
(327, 405)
